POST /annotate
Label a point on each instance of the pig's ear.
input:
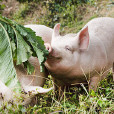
(56, 30)
(84, 39)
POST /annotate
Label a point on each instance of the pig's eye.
(68, 48)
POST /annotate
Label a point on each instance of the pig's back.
(101, 28)
(101, 31)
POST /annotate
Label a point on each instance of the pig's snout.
(48, 47)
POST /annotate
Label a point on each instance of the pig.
(85, 57)
(29, 83)
(7, 95)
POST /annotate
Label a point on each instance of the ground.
(72, 18)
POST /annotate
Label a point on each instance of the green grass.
(77, 101)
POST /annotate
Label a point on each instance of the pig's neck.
(65, 72)
(59, 71)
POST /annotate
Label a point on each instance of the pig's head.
(64, 51)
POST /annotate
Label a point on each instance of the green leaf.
(100, 103)
(7, 70)
(23, 49)
(2, 6)
(92, 93)
(13, 46)
(30, 68)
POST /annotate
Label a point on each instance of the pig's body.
(85, 57)
(37, 78)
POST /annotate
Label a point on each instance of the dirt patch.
(36, 12)
(10, 7)
(100, 9)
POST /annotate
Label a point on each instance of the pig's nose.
(48, 47)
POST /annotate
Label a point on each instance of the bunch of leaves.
(17, 44)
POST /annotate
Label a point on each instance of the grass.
(78, 100)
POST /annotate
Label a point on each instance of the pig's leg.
(94, 81)
(33, 90)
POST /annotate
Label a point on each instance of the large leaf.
(7, 70)
(23, 49)
(18, 43)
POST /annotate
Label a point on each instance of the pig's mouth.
(54, 57)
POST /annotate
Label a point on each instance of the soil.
(10, 7)
(101, 8)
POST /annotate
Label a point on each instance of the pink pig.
(85, 57)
